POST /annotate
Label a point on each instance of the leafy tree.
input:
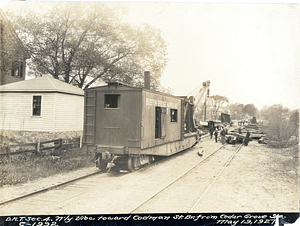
(282, 124)
(250, 110)
(82, 43)
(240, 111)
(266, 112)
(236, 110)
(216, 102)
(294, 124)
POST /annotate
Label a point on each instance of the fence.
(40, 146)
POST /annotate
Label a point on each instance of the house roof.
(13, 33)
(41, 84)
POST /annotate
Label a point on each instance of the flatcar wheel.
(130, 166)
(136, 162)
(133, 163)
(100, 163)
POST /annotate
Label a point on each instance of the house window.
(36, 105)
(17, 69)
(111, 101)
(173, 113)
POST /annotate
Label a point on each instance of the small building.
(225, 118)
(13, 55)
(41, 108)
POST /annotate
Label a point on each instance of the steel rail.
(168, 185)
(54, 186)
(227, 163)
(49, 188)
(92, 174)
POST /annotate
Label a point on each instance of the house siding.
(8, 78)
(16, 112)
(68, 112)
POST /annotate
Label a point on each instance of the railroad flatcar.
(128, 126)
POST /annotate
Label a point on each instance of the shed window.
(36, 105)
(112, 101)
(17, 69)
(173, 113)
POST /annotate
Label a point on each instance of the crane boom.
(190, 107)
(199, 95)
(205, 86)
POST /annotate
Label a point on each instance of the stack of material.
(230, 139)
(238, 135)
(233, 138)
(252, 126)
(263, 140)
(256, 132)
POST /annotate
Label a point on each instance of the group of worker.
(223, 131)
(215, 131)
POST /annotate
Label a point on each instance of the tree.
(82, 43)
(236, 111)
(250, 110)
(282, 125)
(216, 102)
(294, 124)
(264, 112)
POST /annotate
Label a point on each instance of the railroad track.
(135, 209)
(48, 188)
(43, 190)
(77, 188)
(56, 186)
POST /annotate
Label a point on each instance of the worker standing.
(211, 131)
(216, 132)
(247, 138)
(240, 130)
(226, 129)
(223, 135)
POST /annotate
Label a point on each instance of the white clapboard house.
(41, 104)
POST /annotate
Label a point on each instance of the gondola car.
(128, 126)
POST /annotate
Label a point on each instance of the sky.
(249, 52)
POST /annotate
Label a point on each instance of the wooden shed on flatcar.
(120, 115)
(134, 122)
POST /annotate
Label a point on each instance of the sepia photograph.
(149, 113)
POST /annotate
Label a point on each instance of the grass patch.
(22, 168)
